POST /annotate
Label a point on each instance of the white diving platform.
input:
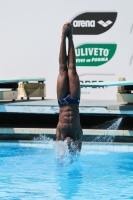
(22, 88)
(36, 87)
(125, 88)
(17, 80)
(107, 84)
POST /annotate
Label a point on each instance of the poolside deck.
(13, 131)
(50, 106)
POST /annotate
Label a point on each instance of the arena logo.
(93, 23)
(94, 54)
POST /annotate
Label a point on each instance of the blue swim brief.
(68, 100)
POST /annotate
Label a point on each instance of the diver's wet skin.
(68, 94)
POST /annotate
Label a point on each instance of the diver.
(68, 93)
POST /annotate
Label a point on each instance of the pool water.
(28, 173)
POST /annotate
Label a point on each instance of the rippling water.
(36, 173)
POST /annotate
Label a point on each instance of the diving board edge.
(107, 84)
(17, 80)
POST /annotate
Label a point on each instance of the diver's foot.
(65, 30)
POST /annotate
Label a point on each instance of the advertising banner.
(94, 54)
(93, 23)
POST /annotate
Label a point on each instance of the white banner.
(30, 34)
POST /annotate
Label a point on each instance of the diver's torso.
(69, 122)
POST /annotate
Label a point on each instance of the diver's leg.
(74, 84)
(63, 82)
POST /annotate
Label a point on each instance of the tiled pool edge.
(88, 134)
(88, 146)
(50, 131)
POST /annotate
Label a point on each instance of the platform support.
(28, 90)
(124, 93)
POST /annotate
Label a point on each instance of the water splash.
(64, 155)
(111, 124)
(115, 125)
(108, 138)
(44, 141)
(104, 138)
(43, 138)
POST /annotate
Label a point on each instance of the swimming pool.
(32, 171)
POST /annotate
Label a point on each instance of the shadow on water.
(71, 180)
(67, 168)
